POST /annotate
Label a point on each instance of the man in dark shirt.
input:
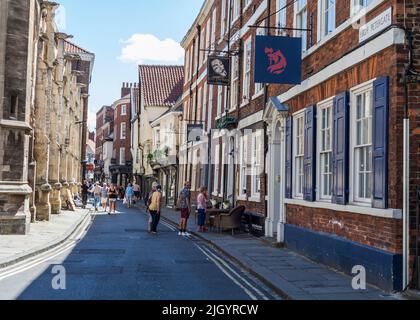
(85, 190)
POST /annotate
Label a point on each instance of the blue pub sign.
(278, 60)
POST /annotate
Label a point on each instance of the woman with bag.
(112, 196)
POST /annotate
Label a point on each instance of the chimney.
(125, 90)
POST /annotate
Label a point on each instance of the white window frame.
(123, 109)
(324, 17)
(243, 176)
(202, 44)
(246, 84)
(216, 172)
(223, 19)
(235, 83)
(213, 30)
(219, 100)
(299, 116)
(187, 66)
(210, 107)
(357, 5)
(326, 104)
(256, 168)
(281, 16)
(222, 174)
(204, 113)
(247, 3)
(236, 10)
(208, 30)
(199, 103)
(354, 182)
(259, 87)
(301, 13)
(122, 156)
(123, 131)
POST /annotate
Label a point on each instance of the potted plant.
(226, 205)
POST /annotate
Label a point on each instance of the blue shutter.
(340, 187)
(309, 163)
(380, 143)
(289, 158)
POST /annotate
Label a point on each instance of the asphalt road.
(115, 258)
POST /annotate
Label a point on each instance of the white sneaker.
(180, 233)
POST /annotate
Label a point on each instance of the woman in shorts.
(112, 196)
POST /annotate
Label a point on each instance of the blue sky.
(124, 33)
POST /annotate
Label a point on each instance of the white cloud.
(148, 49)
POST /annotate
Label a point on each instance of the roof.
(161, 85)
(73, 48)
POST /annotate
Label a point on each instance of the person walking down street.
(184, 203)
(104, 196)
(129, 193)
(136, 189)
(202, 207)
(112, 196)
(121, 192)
(85, 191)
(154, 207)
(96, 190)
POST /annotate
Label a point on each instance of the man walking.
(97, 195)
(154, 207)
(85, 191)
(184, 203)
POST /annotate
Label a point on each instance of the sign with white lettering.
(376, 25)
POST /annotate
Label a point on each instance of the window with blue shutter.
(309, 163)
(380, 137)
(289, 158)
(340, 188)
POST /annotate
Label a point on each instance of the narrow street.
(116, 258)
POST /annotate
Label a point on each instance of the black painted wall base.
(383, 269)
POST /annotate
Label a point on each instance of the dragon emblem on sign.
(277, 61)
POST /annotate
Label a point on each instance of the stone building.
(41, 92)
(18, 19)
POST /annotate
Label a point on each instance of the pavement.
(43, 236)
(291, 275)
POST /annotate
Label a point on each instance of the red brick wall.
(381, 233)
(118, 142)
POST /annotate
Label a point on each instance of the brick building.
(331, 148)
(121, 168)
(104, 127)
